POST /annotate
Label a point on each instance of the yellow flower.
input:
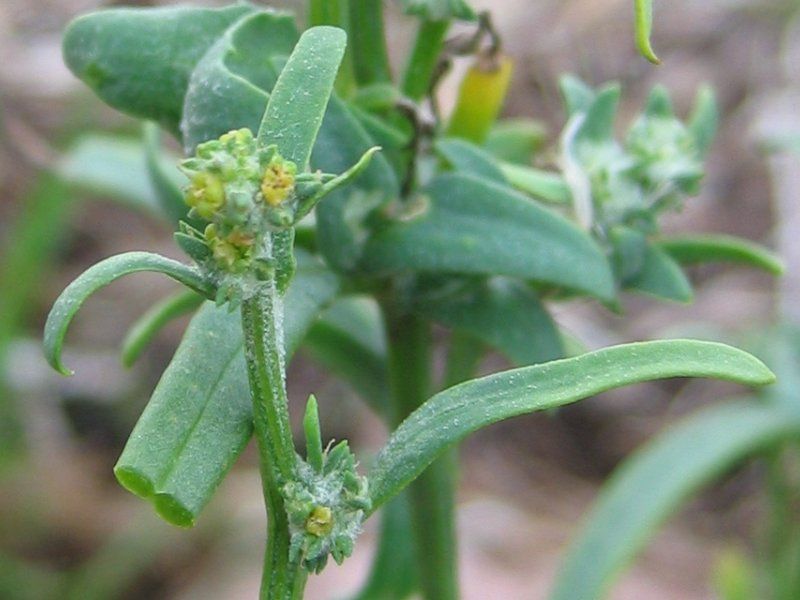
(278, 181)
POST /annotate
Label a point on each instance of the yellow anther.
(278, 182)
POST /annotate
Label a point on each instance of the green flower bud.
(205, 194)
(326, 508)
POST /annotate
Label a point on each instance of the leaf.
(644, 27)
(656, 480)
(689, 250)
(165, 178)
(473, 226)
(297, 105)
(598, 124)
(661, 277)
(452, 414)
(100, 275)
(199, 418)
(436, 10)
(515, 140)
(114, 167)
(540, 184)
(468, 158)
(704, 120)
(577, 96)
(150, 323)
(348, 340)
(230, 86)
(341, 227)
(504, 314)
(139, 60)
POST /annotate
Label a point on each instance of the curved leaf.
(150, 323)
(504, 314)
(644, 27)
(473, 226)
(100, 275)
(654, 482)
(199, 418)
(454, 413)
(145, 79)
(689, 250)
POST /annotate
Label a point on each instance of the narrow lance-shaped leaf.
(199, 418)
(704, 120)
(100, 275)
(471, 226)
(689, 250)
(454, 413)
(298, 100)
(644, 27)
(654, 482)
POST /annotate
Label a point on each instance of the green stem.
(780, 527)
(424, 58)
(335, 13)
(368, 42)
(262, 323)
(431, 494)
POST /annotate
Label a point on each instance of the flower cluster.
(326, 508)
(244, 192)
(630, 183)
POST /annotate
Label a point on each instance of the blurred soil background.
(525, 483)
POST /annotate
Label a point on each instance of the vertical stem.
(368, 42)
(335, 13)
(780, 527)
(262, 322)
(431, 494)
(424, 58)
